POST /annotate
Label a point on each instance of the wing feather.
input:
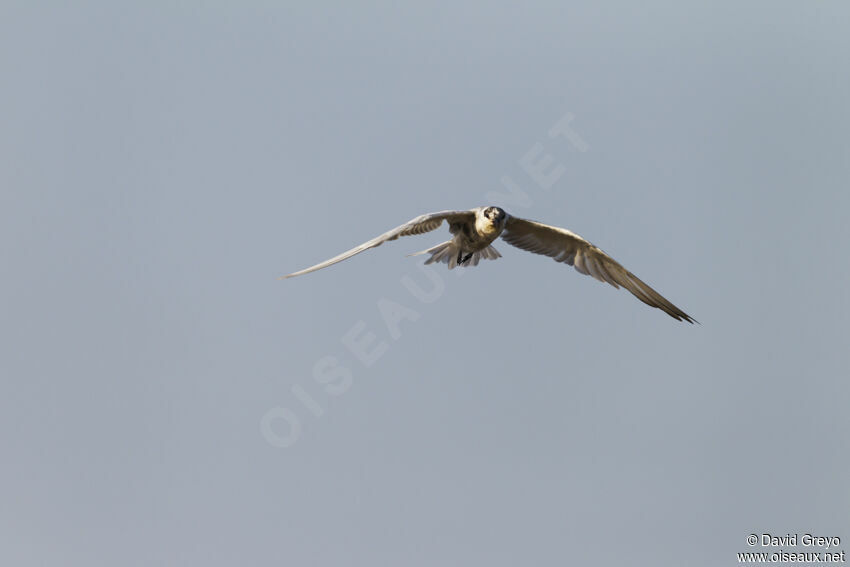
(564, 246)
(418, 225)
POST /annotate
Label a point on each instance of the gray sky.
(160, 165)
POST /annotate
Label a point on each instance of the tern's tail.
(447, 253)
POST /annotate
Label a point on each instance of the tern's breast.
(486, 228)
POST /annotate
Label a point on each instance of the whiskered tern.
(476, 229)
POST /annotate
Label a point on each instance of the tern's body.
(471, 237)
(474, 231)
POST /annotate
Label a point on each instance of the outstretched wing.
(419, 225)
(564, 246)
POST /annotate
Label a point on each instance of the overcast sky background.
(161, 165)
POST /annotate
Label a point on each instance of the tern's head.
(495, 215)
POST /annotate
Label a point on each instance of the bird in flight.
(474, 231)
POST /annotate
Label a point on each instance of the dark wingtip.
(688, 318)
